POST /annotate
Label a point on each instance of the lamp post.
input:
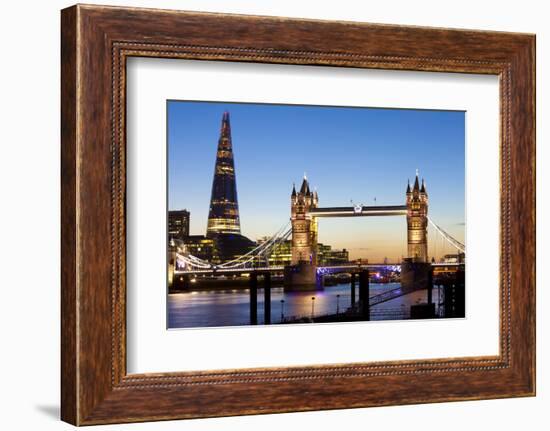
(312, 306)
(337, 304)
(282, 310)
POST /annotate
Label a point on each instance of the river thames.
(230, 307)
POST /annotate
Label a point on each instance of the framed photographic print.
(321, 214)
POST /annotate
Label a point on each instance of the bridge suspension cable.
(242, 261)
(263, 249)
(191, 262)
(455, 243)
(282, 234)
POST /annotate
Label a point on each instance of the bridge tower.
(417, 221)
(415, 269)
(302, 273)
(304, 227)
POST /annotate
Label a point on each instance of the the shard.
(223, 214)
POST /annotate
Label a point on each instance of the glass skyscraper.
(223, 214)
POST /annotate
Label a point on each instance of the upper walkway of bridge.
(359, 210)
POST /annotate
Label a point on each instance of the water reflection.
(230, 307)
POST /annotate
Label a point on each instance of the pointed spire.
(293, 190)
(226, 125)
(423, 188)
(408, 186)
(416, 186)
(304, 189)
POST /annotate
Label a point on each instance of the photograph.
(291, 214)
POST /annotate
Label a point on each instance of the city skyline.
(364, 155)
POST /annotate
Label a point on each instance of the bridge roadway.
(325, 269)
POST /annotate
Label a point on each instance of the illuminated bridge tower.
(304, 227)
(416, 267)
(223, 215)
(302, 272)
(417, 222)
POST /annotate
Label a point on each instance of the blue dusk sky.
(364, 155)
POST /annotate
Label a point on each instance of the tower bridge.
(305, 211)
